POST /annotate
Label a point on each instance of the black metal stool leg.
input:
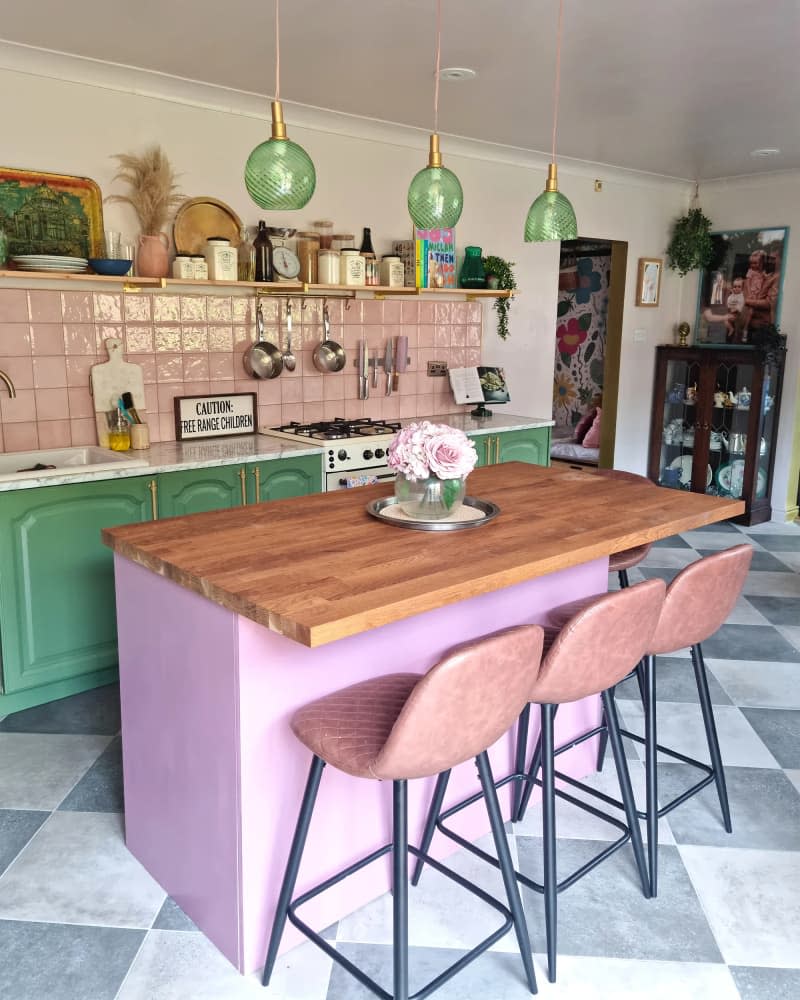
(623, 579)
(519, 763)
(506, 867)
(625, 788)
(293, 865)
(550, 881)
(400, 888)
(651, 767)
(711, 734)
(430, 822)
(533, 770)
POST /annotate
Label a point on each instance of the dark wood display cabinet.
(715, 423)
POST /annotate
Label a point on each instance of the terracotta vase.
(152, 260)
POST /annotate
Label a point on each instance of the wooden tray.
(478, 512)
(72, 207)
(199, 218)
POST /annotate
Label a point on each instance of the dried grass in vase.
(153, 191)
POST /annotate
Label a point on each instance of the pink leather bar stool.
(591, 653)
(697, 603)
(405, 726)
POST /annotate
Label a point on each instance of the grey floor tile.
(749, 642)
(705, 538)
(605, 913)
(752, 901)
(662, 557)
(745, 614)
(781, 542)
(100, 789)
(778, 610)
(762, 561)
(794, 777)
(673, 542)
(780, 731)
(172, 918)
(774, 528)
(17, 826)
(674, 682)
(790, 559)
(38, 770)
(772, 584)
(92, 712)
(792, 633)
(64, 961)
(759, 683)
(765, 808)
(629, 979)
(77, 870)
(766, 984)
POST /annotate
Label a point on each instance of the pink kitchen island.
(231, 620)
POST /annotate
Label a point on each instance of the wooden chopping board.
(109, 380)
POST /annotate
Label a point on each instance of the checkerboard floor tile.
(78, 911)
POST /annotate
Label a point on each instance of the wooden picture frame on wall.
(648, 284)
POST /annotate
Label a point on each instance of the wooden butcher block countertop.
(319, 568)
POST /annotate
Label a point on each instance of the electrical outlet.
(437, 369)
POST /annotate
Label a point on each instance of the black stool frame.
(400, 849)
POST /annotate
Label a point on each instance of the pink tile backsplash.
(193, 344)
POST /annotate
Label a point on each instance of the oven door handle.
(387, 475)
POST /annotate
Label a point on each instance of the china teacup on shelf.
(718, 440)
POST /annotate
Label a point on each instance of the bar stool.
(697, 603)
(404, 726)
(591, 653)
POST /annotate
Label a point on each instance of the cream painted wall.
(363, 171)
(766, 203)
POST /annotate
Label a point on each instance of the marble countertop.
(497, 422)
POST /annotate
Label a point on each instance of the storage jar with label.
(308, 254)
(221, 259)
(351, 268)
(200, 267)
(328, 267)
(393, 272)
(183, 267)
(372, 274)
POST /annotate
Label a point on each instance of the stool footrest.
(692, 761)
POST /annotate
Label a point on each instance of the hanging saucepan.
(328, 356)
(262, 360)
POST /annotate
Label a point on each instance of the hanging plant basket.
(691, 246)
(499, 275)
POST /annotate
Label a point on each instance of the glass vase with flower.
(432, 462)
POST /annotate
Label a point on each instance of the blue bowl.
(109, 266)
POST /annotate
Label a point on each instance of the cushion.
(583, 425)
(592, 437)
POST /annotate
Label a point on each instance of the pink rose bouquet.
(426, 449)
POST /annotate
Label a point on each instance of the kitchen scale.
(285, 262)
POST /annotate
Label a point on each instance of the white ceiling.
(686, 88)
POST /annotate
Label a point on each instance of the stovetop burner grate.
(332, 430)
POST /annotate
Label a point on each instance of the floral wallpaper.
(580, 338)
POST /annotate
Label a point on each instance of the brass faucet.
(9, 384)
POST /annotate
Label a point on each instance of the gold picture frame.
(648, 284)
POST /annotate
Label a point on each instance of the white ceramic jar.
(351, 268)
(328, 267)
(221, 258)
(183, 267)
(393, 272)
(200, 267)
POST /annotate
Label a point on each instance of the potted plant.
(499, 274)
(153, 195)
(691, 246)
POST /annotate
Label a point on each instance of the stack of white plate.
(50, 262)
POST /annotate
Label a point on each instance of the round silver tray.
(489, 510)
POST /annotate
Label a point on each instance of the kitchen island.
(230, 620)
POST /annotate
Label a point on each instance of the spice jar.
(393, 272)
(351, 267)
(200, 267)
(371, 269)
(307, 253)
(183, 267)
(328, 267)
(221, 259)
(339, 241)
(324, 228)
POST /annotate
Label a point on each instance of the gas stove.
(354, 450)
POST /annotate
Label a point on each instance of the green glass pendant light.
(435, 197)
(551, 216)
(279, 174)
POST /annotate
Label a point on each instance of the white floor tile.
(752, 901)
(758, 683)
(745, 614)
(38, 771)
(774, 528)
(629, 979)
(715, 539)
(794, 777)
(662, 557)
(792, 634)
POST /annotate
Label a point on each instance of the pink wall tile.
(52, 404)
(312, 388)
(242, 310)
(193, 308)
(107, 307)
(83, 431)
(81, 403)
(313, 411)
(19, 410)
(333, 388)
(292, 411)
(270, 392)
(472, 356)
(166, 308)
(331, 410)
(49, 373)
(218, 309)
(81, 338)
(138, 308)
(20, 437)
(54, 434)
(269, 416)
(197, 388)
(442, 312)
(426, 335)
(78, 370)
(166, 393)
(427, 312)
(458, 358)
(291, 390)
(151, 398)
(220, 366)
(15, 338)
(168, 338)
(458, 335)
(353, 409)
(392, 311)
(372, 311)
(105, 331)
(166, 426)
(139, 340)
(311, 312)
(408, 406)
(441, 335)
(372, 407)
(390, 409)
(19, 370)
(424, 405)
(409, 312)
(194, 338)
(169, 367)
(13, 305)
(44, 306)
(195, 367)
(220, 338)
(77, 307)
(473, 335)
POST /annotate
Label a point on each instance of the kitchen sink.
(62, 461)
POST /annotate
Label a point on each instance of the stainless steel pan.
(328, 356)
(262, 360)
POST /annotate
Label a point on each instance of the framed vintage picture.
(740, 291)
(648, 285)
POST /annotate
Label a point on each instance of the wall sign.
(214, 416)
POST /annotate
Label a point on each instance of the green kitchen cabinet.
(284, 478)
(531, 445)
(57, 603)
(194, 491)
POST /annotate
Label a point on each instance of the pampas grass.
(153, 191)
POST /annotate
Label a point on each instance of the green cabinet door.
(484, 446)
(57, 604)
(195, 491)
(284, 478)
(531, 446)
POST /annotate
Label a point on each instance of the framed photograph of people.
(648, 285)
(740, 291)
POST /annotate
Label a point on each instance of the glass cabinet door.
(728, 445)
(767, 428)
(678, 430)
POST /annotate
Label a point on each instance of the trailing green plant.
(691, 246)
(502, 271)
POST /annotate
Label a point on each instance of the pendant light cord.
(277, 50)
(557, 86)
(438, 63)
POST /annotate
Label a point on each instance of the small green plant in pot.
(691, 246)
(499, 275)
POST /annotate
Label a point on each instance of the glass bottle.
(366, 242)
(246, 253)
(119, 435)
(263, 253)
(472, 272)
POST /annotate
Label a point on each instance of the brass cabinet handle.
(487, 450)
(153, 487)
(257, 477)
(242, 480)
(497, 450)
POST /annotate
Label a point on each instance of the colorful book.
(435, 258)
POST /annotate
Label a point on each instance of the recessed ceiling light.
(767, 151)
(457, 73)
